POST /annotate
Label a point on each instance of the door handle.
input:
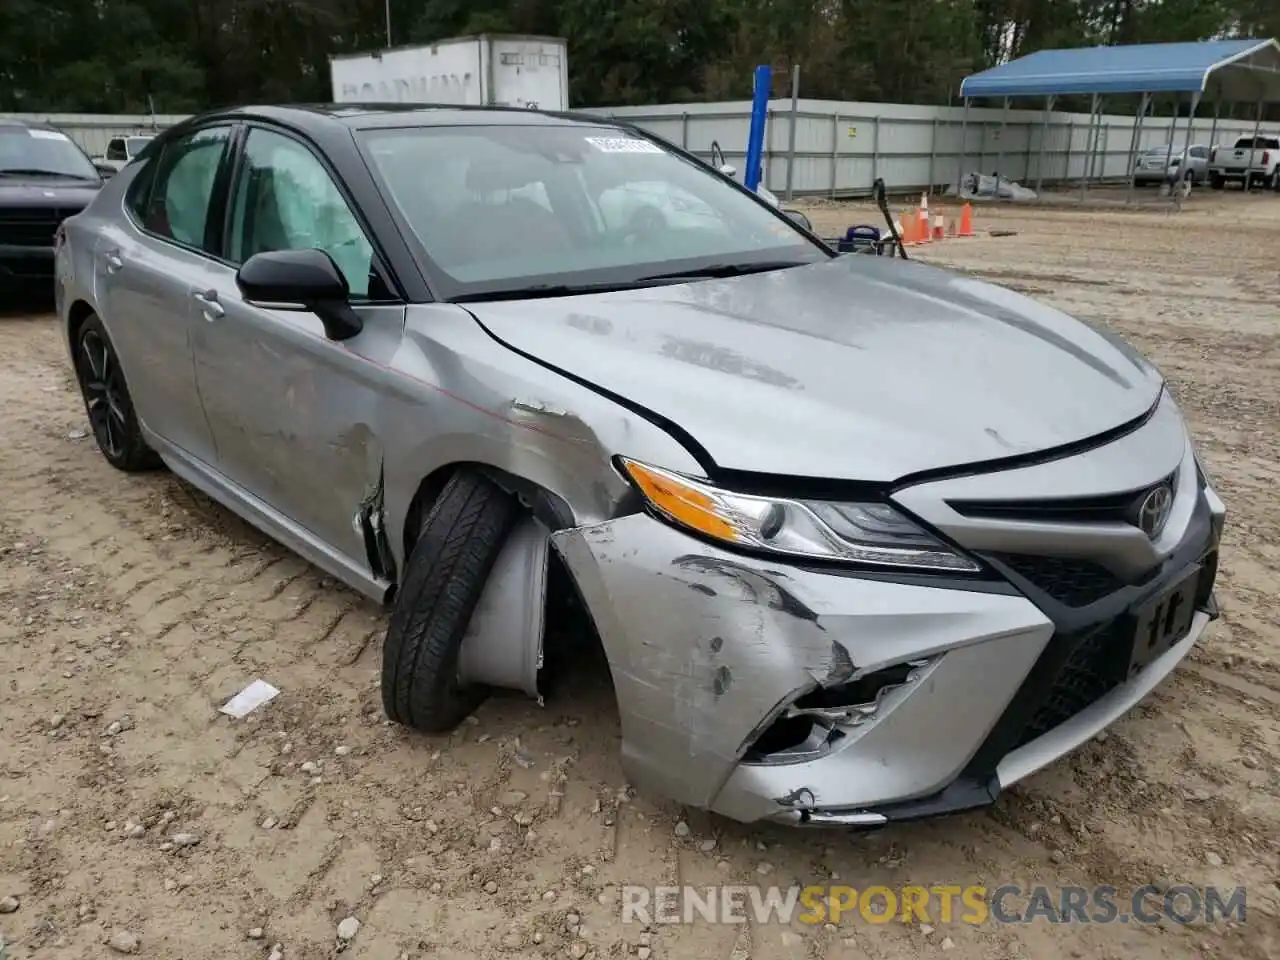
(114, 262)
(209, 305)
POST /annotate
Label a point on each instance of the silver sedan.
(862, 540)
(1168, 162)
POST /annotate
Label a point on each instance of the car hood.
(861, 368)
(46, 192)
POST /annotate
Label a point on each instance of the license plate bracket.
(1163, 620)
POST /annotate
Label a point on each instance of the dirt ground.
(131, 608)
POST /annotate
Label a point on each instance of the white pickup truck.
(122, 150)
(1252, 160)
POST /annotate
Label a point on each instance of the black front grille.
(1094, 668)
(30, 228)
(1073, 582)
(1100, 662)
(1091, 649)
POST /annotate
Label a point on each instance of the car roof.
(314, 117)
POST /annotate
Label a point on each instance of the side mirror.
(105, 170)
(800, 219)
(301, 280)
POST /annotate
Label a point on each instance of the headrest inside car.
(491, 174)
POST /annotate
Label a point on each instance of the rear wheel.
(107, 402)
(460, 540)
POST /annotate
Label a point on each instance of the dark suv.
(44, 178)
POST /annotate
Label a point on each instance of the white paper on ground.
(249, 699)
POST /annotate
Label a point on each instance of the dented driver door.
(295, 415)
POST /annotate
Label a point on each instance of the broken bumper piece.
(761, 690)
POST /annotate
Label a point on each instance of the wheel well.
(569, 627)
(548, 507)
(76, 316)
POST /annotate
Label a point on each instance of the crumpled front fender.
(708, 647)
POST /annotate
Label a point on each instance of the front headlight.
(871, 533)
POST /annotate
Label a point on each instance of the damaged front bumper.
(766, 691)
(761, 690)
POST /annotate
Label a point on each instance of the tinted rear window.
(1261, 143)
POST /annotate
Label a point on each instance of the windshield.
(501, 208)
(32, 150)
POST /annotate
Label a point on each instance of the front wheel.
(107, 401)
(1216, 182)
(456, 549)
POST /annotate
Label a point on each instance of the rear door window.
(177, 207)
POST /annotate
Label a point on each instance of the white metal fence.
(841, 147)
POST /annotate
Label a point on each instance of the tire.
(460, 540)
(107, 401)
(1216, 182)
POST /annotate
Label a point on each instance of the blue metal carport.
(1226, 71)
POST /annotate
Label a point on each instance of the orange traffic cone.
(966, 221)
(922, 221)
(908, 230)
(939, 228)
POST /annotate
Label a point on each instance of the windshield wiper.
(39, 172)
(539, 291)
(546, 290)
(728, 270)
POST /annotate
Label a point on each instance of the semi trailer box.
(486, 70)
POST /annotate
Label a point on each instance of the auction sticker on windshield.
(623, 145)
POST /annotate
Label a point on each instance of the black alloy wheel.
(107, 402)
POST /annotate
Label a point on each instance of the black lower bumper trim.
(962, 796)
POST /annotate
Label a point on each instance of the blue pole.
(763, 85)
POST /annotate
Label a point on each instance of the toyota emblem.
(1154, 511)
